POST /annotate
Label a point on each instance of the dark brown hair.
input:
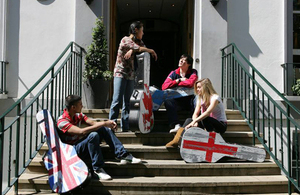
(189, 59)
(71, 100)
(133, 26)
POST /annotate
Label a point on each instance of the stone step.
(48, 193)
(27, 192)
(146, 152)
(97, 113)
(140, 151)
(170, 185)
(103, 113)
(151, 168)
(233, 115)
(232, 125)
(162, 138)
(163, 126)
(235, 119)
(230, 114)
(244, 138)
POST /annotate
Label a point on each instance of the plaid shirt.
(65, 122)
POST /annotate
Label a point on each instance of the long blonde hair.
(207, 90)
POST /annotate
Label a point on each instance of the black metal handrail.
(64, 77)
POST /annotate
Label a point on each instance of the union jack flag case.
(66, 170)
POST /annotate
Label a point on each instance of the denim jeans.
(123, 89)
(89, 148)
(175, 105)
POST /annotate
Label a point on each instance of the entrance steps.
(164, 172)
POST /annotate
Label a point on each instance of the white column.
(3, 38)
(197, 36)
(3, 32)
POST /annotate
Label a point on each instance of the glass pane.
(296, 34)
(296, 4)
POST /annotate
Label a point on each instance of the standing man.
(87, 140)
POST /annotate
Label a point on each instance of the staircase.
(164, 172)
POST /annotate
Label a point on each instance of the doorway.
(168, 29)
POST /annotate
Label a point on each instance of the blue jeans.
(123, 89)
(89, 147)
(175, 105)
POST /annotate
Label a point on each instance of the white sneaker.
(129, 159)
(175, 128)
(102, 174)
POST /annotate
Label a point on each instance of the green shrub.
(96, 64)
(296, 87)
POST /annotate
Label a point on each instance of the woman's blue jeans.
(123, 89)
(89, 148)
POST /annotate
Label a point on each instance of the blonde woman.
(209, 113)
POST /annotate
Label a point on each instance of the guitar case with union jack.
(141, 116)
(66, 170)
(198, 145)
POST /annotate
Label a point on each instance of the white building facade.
(34, 33)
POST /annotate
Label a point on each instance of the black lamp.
(214, 2)
(88, 1)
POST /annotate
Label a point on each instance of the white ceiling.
(145, 9)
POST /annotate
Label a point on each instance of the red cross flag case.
(198, 145)
(141, 116)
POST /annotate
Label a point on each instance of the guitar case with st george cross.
(67, 172)
(141, 116)
(198, 145)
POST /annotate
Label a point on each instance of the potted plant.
(97, 75)
(296, 87)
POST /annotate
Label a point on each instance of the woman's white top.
(219, 111)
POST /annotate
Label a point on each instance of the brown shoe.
(174, 142)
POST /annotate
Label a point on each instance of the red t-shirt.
(65, 122)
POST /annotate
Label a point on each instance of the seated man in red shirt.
(87, 140)
(184, 76)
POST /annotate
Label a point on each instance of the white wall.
(210, 34)
(257, 28)
(39, 30)
(86, 17)
(85, 21)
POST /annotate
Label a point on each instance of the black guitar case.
(141, 115)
